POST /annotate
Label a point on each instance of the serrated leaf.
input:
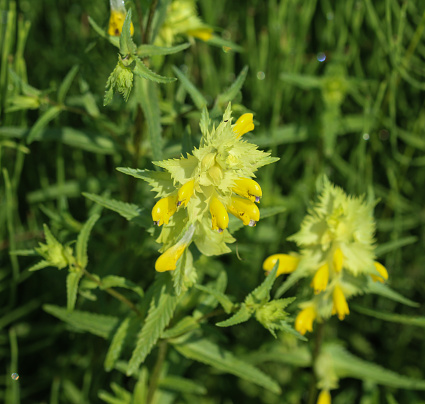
(198, 99)
(185, 325)
(233, 90)
(127, 46)
(113, 281)
(181, 385)
(42, 122)
(147, 96)
(346, 364)
(50, 238)
(40, 265)
(161, 310)
(262, 292)
(143, 71)
(117, 343)
(178, 275)
(131, 212)
(204, 351)
(96, 324)
(225, 302)
(385, 291)
(284, 326)
(72, 281)
(392, 317)
(242, 315)
(152, 50)
(141, 388)
(66, 83)
(82, 241)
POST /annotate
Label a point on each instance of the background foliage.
(358, 116)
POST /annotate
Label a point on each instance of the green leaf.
(346, 364)
(117, 343)
(147, 96)
(181, 385)
(242, 315)
(202, 350)
(82, 241)
(42, 122)
(40, 265)
(233, 90)
(302, 80)
(225, 302)
(198, 99)
(113, 281)
(283, 135)
(225, 44)
(131, 212)
(127, 46)
(152, 50)
(394, 245)
(142, 70)
(96, 324)
(262, 292)
(66, 83)
(72, 281)
(384, 290)
(185, 325)
(161, 310)
(112, 39)
(392, 317)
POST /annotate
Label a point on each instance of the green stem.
(156, 371)
(312, 391)
(150, 19)
(113, 292)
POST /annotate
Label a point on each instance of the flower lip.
(219, 216)
(185, 193)
(244, 124)
(245, 210)
(248, 188)
(163, 210)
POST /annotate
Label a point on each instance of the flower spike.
(164, 209)
(248, 188)
(304, 320)
(245, 210)
(185, 193)
(340, 306)
(219, 216)
(244, 124)
(287, 263)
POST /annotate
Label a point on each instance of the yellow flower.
(324, 397)
(245, 210)
(164, 209)
(219, 216)
(185, 193)
(287, 263)
(244, 124)
(116, 21)
(338, 260)
(340, 305)
(383, 273)
(248, 188)
(304, 320)
(320, 279)
(205, 34)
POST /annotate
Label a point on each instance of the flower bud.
(304, 320)
(216, 174)
(248, 188)
(219, 216)
(383, 273)
(324, 397)
(116, 22)
(287, 263)
(340, 306)
(185, 193)
(164, 209)
(245, 210)
(320, 279)
(244, 124)
(204, 34)
(338, 260)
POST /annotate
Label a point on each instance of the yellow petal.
(382, 272)
(338, 260)
(164, 209)
(168, 260)
(324, 397)
(287, 263)
(185, 193)
(304, 320)
(219, 216)
(340, 306)
(320, 279)
(248, 188)
(116, 21)
(244, 124)
(204, 34)
(245, 210)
